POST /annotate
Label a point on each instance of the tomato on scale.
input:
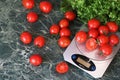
(93, 33)
(28, 4)
(103, 29)
(93, 23)
(26, 37)
(32, 17)
(114, 39)
(45, 6)
(35, 59)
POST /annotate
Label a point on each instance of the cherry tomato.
(91, 44)
(70, 15)
(32, 17)
(103, 30)
(64, 42)
(26, 37)
(62, 67)
(106, 49)
(39, 41)
(28, 4)
(54, 29)
(93, 23)
(45, 6)
(35, 59)
(113, 27)
(103, 39)
(114, 39)
(65, 32)
(93, 33)
(64, 23)
(81, 36)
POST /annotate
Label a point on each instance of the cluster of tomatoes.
(99, 36)
(61, 29)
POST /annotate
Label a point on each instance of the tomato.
(28, 4)
(81, 36)
(91, 44)
(39, 41)
(65, 32)
(54, 29)
(64, 42)
(93, 23)
(93, 33)
(102, 39)
(103, 30)
(113, 27)
(64, 23)
(62, 67)
(106, 49)
(35, 59)
(70, 15)
(32, 17)
(45, 6)
(26, 37)
(114, 39)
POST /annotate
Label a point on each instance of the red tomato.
(65, 32)
(113, 27)
(64, 23)
(54, 29)
(64, 42)
(39, 41)
(91, 44)
(45, 6)
(103, 30)
(32, 17)
(70, 15)
(26, 37)
(106, 49)
(93, 33)
(35, 59)
(103, 39)
(28, 4)
(81, 36)
(62, 67)
(114, 39)
(93, 23)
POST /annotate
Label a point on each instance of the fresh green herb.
(104, 10)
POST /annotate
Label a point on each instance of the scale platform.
(88, 61)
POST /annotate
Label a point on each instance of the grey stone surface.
(14, 55)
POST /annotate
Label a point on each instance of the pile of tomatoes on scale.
(99, 36)
(61, 28)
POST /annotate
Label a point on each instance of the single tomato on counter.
(65, 32)
(39, 41)
(62, 67)
(81, 36)
(64, 42)
(54, 29)
(45, 6)
(64, 23)
(26, 37)
(70, 15)
(35, 59)
(28, 4)
(32, 17)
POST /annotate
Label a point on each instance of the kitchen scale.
(89, 61)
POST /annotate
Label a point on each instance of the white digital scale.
(89, 61)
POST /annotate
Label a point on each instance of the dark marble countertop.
(14, 55)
